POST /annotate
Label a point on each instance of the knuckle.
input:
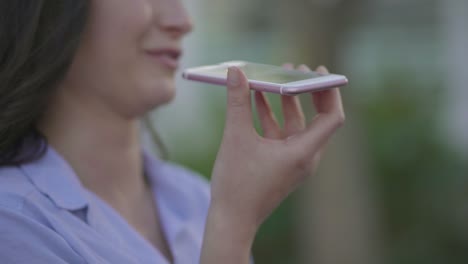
(303, 164)
(340, 119)
(299, 154)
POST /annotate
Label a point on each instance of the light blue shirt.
(47, 216)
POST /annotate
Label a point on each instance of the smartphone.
(267, 78)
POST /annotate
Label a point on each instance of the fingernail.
(233, 76)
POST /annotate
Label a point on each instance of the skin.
(253, 173)
(93, 121)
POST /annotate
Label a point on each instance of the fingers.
(304, 68)
(309, 142)
(322, 69)
(294, 120)
(328, 101)
(330, 116)
(239, 107)
(269, 124)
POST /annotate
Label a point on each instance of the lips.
(169, 57)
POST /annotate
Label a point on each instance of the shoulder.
(26, 238)
(24, 235)
(14, 187)
(20, 199)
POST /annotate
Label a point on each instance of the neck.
(102, 148)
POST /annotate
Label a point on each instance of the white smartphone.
(267, 78)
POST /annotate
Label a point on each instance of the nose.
(173, 18)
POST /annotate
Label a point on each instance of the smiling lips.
(169, 57)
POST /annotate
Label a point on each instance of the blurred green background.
(393, 186)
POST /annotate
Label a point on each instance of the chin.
(146, 97)
(159, 95)
(165, 98)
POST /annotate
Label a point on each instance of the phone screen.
(265, 73)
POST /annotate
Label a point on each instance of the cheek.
(117, 24)
(131, 96)
(142, 85)
(137, 91)
(112, 62)
(112, 40)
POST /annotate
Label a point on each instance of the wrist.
(236, 226)
(227, 238)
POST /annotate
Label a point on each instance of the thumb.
(239, 106)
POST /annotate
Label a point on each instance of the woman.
(76, 76)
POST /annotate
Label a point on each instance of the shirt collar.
(55, 178)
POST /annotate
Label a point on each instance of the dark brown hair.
(38, 40)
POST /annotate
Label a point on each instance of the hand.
(252, 173)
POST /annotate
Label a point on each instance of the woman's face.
(128, 55)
